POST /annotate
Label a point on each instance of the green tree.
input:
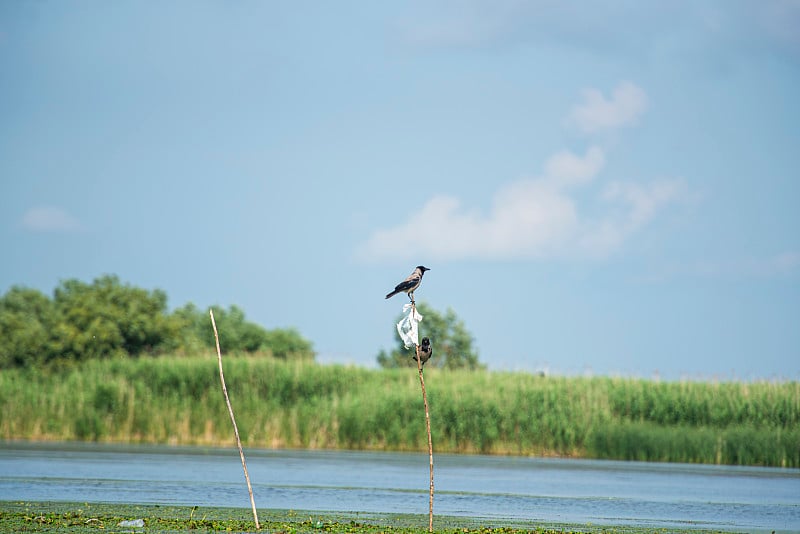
(452, 343)
(237, 334)
(27, 322)
(108, 318)
(287, 343)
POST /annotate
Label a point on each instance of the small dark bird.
(409, 284)
(425, 351)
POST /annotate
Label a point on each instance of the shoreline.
(230, 448)
(74, 517)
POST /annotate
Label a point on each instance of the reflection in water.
(528, 489)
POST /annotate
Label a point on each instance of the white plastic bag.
(408, 326)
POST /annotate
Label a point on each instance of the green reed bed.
(306, 405)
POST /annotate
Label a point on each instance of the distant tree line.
(109, 319)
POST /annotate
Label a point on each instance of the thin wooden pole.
(427, 424)
(233, 420)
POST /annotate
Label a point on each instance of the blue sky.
(605, 187)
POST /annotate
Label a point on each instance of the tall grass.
(306, 405)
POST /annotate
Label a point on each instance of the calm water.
(539, 490)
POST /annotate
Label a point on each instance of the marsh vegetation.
(303, 404)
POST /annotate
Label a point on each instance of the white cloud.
(534, 218)
(598, 113)
(644, 201)
(783, 264)
(511, 23)
(715, 32)
(49, 219)
(528, 218)
(565, 168)
(541, 217)
(633, 207)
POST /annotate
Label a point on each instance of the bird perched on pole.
(409, 284)
(425, 351)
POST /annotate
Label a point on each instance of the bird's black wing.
(407, 284)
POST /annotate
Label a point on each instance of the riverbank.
(304, 405)
(74, 518)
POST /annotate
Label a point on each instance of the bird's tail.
(393, 293)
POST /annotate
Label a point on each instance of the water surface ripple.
(539, 490)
